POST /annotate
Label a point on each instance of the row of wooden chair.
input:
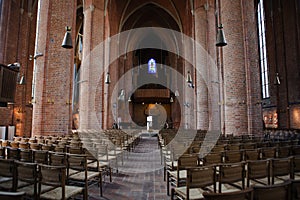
(47, 181)
(197, 188)
(246, 172)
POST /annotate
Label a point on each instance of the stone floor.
(139, 178)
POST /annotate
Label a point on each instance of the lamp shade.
(107, 78)
(171, 100)
(22, 80)
(189, 77)
(67, 42)
(277, 79)
(176, 93)
(221, 40)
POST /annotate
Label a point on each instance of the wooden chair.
(55, 177)
(233, 156)
(269, 152)
(284, 151)
(296, 150)
(14, 144)
(12, 153)
(295, 190)
(93, 164)
(232, 175)
(24, 145)
(296, 167)
(280, 191)
(178, 177)
(26, 155)
(212, 158)
(281, 169)
(35, 146)
(40, 156)
(251, 154)
(246, 194)
(12, 195)
(77, 172)
(57, 158)
(198, 180)
(7, 175)
(27, 178)
(2, 152)
(258, 172)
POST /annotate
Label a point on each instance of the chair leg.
(168, 185)
(100, 184)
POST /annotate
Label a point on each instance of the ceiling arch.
(150, 14)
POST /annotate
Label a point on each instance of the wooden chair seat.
(81, 175)
(195, 193)
(56, 193)
(246, 194)
(271, 192)
(11, 195)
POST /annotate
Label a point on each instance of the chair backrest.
(24, 145)
(246, 194)
(257, 169)
(231, 173)
(269, 152)
(281, 167)
(296, 163)
(52, 176)
(8, 169)
(284, 151)
(77, 162)
(13, 153)
(252, 154)
(233, 156)
(57, 158)
(27, 172)
(187, 160)
(2, 152)
(35, 146)
(200, 177)
(12, 195)
(40, 156)
(26, 155)
(271, 192)
(212, 158)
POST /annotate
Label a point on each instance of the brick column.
(54, 70)
(239, 62)
(208, 112)
(91, 107)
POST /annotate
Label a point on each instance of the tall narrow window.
(263, 50)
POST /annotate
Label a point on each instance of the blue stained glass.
(151, 66)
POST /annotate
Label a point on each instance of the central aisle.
(140, 177)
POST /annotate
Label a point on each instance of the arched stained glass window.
(152, 66)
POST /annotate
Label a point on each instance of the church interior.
(150, 99)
